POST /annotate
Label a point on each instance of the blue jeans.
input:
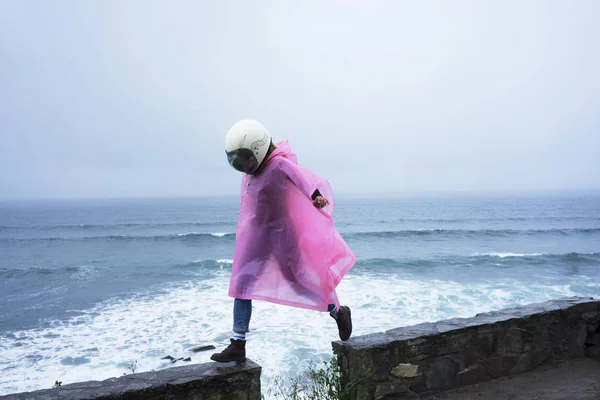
(242, 311)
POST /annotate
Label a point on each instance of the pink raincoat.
(287, 250)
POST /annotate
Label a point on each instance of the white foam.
(504, 255)
(85, 273)
(225, 261)
(215, 234)
(284, 340)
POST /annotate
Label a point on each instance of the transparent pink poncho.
(287, 251)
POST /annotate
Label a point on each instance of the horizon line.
(388, 194)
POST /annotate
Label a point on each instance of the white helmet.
(247, 144)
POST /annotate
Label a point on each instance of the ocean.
(94, 289)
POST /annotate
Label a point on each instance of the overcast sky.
(133, 98)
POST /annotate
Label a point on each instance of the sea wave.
(409, 233)
(480, 259)
(395, 234)
(36, 270)
(504, 255)
(82, 271)
(195, 224)
(115, 226)
(176, 236)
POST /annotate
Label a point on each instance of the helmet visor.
(243, 160)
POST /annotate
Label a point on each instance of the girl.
(287, 248)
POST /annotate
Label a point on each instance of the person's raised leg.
(236, 351)
(342, 316)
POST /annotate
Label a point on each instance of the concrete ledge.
(212, 381)
(425, 359)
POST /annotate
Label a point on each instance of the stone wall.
(401, 363)
(419, 360)
(212, 381)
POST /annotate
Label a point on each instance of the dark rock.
(524, 364)
(203, 348)
(410, 352)
(187, 359)
(82, 385)
(441, 373)
(452, 326)
(167, 358)
(478, 347)
(541, 357)
(493, 367)
(593, 352)
(377, 361)
(514, 340)
(416, 350)
(592, 319)
(558, 333)
(574, 313)
(472, 375)
(594, 338)
(394, 390)
(575, 344)
(541, 341)
(432, 356)
(199, 381)
(365, 392)
(418, 385)
(507, 364)
(412, 332)
(355, 342)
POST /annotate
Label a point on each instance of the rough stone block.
(365, 392)
(509, 363)
(416, 350)
(464, 351)
(406, 352)
(478, 347)
(542, 357)
(582, 307)
(517, 338)
(406, 371)
(441, 373)
(363, 341)
(594, 338)
(493, 367)
(413, 332)
(377, 361)
(393, 391)
(593, 352)
(576, 340)
(472, 375)
(524, 364)
(592, 316)
(231, 382)
(558, 333)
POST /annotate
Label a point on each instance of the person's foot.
(343, 318)
(236, 351)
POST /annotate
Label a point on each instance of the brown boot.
(343, 317)
(236, 351)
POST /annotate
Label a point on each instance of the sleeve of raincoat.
(308, 182)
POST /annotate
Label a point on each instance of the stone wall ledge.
(424, 359)
(229, 381)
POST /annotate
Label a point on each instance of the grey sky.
(133, 98)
